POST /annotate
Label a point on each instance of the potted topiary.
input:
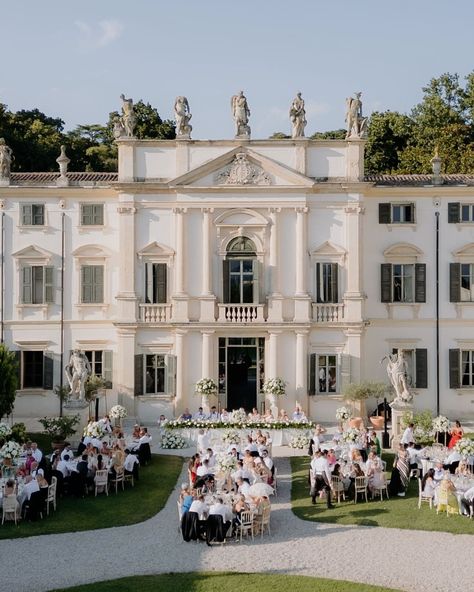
(358, 393)
(60, 428)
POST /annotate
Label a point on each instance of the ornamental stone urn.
(205, 404)
(272, 400)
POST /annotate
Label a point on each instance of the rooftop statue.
(182, 115)
(6, 157)
(355, 122)
(297, 117)
(128, 119)
(241, 114)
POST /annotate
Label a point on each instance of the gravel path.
(431, 562)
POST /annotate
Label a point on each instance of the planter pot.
(355, 422)
(377, 421)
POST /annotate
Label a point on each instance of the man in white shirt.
(454, 457)
(38, 455)
(408, 434)
(200, 415)
(211, 458)
(67, 451)
(438, 472)
(214, 415)
(204, 469)
(413, 456)
(240, 473)
(203, 441)
(64, 466)
(129, 464)
(298, 414)
(200, 507)
(322, 475)
(145, 437)
(220, 509)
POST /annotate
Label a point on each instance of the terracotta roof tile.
(76, 179)
(418, 180)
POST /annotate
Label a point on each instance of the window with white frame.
(37, 284)
(327, 282)
(461, 367)
(241, 272)
(155, 374)
(35, 369)
(403, 282)
(467, 368)
(101, 364)
(92, 284)
(92, 214)
(396, 213)
(32, 215)
(156, 276)
(467, 213)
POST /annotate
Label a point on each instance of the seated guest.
(413, 457)
(452, 461)
(428, 484)
(284, 416)
(255, 415)
(67, 450)
(31, 486)
(200, 415)
(241, 473)
(136, 432)
(204, 469)
(248, 459)
(267, 460)
(446, 496)
(268, 415)
(220, 509)
(105, 422)
(145, 437)
(438, 472)
(131, 464)
(64, 467)
(467, 502)
(225, 415)
(463, 469)
(240, 505)
(261, 471)
(355, 471)
(193, 464)
(186, 415)
(232, 451)
(199, 506)
(243, 487)
(214, 415)
(298, 414)
(30, 459)
(251, 446)
(211, 458)
(331, 458)
(38, 455)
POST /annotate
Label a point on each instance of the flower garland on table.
(94, 429)
(5, 430)
(274, 386)
(465, 447)
(441, 424)
(11, 450)
(343, 413)
(172, 441)
(226, 463)
(206, 386)
(231, 437)
(351, 435)
(118, 412)
(301, 442)
(178, 424)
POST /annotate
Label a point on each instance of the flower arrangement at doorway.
(351, 435)
(465, 447)
(172, 441)
(231, 437)
(274, 386)
(11, 450)
(301, 442)
(206, 387)
(118, 412)
(441, 424)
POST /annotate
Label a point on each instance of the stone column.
(207, 297)
(125, 368)
(182, 398)
(126, 297)
(354, 296)
(207, 367)
(301, 374)
(302, 299)
(355, 160)
(275, 300)
(271, 368)
(180, 298)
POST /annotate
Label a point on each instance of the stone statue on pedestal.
(6, 157)
(182, 115)
(128, 119)
(356, 124)
(397, 370)
(297, 117)
(241, 114)
(78, 371)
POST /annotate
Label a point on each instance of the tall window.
(101, 364)
(155, 374)
(404, 282)
(467, 282)
(37, 284)
(467, 368)
(36, 370)
(241, 272)
(326, 282)
(92, 284)
(155, 283)
(326, 374)
(92, 214)
(32, 215)
(461, 368)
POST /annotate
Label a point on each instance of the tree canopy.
(8, 380)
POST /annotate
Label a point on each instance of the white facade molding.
(403, 253)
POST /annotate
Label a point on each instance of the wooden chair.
(360, 487)
(101, 482)
(128, 478)
(263, 520)
(246, 525)
(422, 497)
(118, 478)
(338, 488)
(51, 497)
(11, 509)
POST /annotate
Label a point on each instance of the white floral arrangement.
(226, 463)
(118, 412)
(10, 450)
(239, 416)
(351, 436)
(5, 430)
(206, 386)
(231, 437)
(94, 429)
(274, 386)
(440, 424)
(343, 413)
(172, 441)
(301, 442)
(465, 447)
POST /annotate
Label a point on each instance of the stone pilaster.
(275, 300)
(302, 299)
(354, 297)
(207, 299)
(126, 297)
(301, 369)
(180, 297)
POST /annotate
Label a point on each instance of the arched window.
(241, 272)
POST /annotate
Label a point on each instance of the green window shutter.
(98, 214)
(420, 282)
(256, 282)
(138, 375)
(334, 280)
(455, 282)
(454, 368)
(107, 367)
(385, 213)
(27, 215)
(170, 375)
(421, 371)
(312, 374)
(318, 282)
(38, 214)
(86, 284)
(26, 285)
(161, 287)
(386, 282)
(48, 285)
(225, 281)
(48, 371)
(87, 214)
(98, 284)
(454, 212)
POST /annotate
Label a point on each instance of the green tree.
(388, 136)
(149, 123)
(8, 380)
(279, 136)
(339, 134)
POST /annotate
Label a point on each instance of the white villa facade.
(239, 260)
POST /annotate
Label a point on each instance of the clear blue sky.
(73, 59)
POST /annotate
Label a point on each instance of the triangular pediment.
(155, 251)
(32, 252)
(328, 251)
(242, 167)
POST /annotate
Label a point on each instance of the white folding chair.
(422, 497)
(11, 508)
(51, 497)
(101, 481)
(338, 488)
(246, 525)
(118, 478)
(360, 487)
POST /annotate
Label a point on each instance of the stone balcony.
(154, 313)
(241, 313)
(328, 313)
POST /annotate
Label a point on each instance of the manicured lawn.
(224, 582)
(394, 513)
(148, 497)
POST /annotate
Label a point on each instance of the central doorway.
(240, 371)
